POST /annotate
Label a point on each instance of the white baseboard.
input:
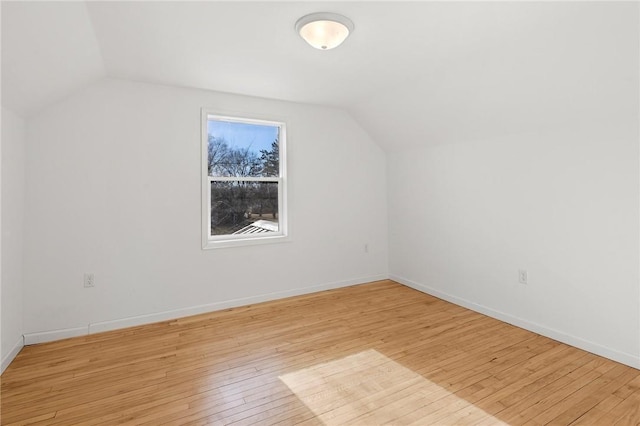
(622, 357)
(6, 360)
(50, 336)
(98, 327)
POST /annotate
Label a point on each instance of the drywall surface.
(113, 188)
(13, 146)
(560, 203)
(509, 67)
(548, 183)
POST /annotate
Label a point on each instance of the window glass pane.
(242, 149)
(241, 207)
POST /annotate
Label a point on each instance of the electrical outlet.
(89, 280)
(366, 248)
(523, 277)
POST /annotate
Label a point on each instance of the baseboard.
(622, 357)
(99, 327)
(50, 336)
(6, 360)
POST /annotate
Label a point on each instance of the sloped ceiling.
(49, 50)
(411, 73)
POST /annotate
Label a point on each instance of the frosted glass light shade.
(324, 30)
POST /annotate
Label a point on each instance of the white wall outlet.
(89, 280)
(523, 277)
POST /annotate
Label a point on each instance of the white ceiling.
(49, 51)
(412, 72)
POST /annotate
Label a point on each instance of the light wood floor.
(378, 353)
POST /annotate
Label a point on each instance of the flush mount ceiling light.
(324, 30)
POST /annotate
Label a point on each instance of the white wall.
(13, 145)
(559, 203)
(547, 182)
(113, 188)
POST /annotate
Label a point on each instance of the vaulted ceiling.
(411, 72)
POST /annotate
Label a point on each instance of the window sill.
(215, 244)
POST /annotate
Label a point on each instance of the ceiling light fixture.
(324, 30)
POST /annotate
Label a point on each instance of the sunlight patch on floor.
(369, 388)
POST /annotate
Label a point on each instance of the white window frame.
(220, 241)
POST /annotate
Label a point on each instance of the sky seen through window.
(256, 137)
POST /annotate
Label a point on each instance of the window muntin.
(244, 198)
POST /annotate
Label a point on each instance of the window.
(244, 186)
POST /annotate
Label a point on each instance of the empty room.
(320, 213)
